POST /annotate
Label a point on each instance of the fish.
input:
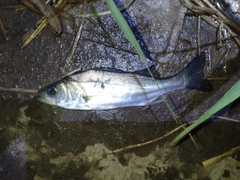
(109, 88)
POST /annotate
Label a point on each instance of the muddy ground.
(39, 141)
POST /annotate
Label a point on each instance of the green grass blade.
(126, 30)
(229, 97)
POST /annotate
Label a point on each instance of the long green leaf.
(229, 97)
(126, 30)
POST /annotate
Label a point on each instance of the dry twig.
(56, 27)
(228, 119)
(212, 15)
(148, 142)
(30, 35)
(216, 159)
(205, 163)
(74, 46)
(19, 90)
(3, 29)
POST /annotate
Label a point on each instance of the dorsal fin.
(109, 69)
(143, 72)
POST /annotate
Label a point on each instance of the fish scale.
(108, 88)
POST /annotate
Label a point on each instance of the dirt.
(39, 141)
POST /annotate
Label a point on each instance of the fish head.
(54, 94)
(66, 93)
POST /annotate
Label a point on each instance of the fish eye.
(51, 91)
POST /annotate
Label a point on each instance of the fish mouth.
(43, 99)
(39, 98)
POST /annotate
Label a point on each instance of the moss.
(42, 113)
(9, 111)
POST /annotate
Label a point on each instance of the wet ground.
(39, 141)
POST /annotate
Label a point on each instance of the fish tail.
(194, 74)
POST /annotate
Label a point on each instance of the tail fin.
(193, 72)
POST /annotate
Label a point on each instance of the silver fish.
(107, 88)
